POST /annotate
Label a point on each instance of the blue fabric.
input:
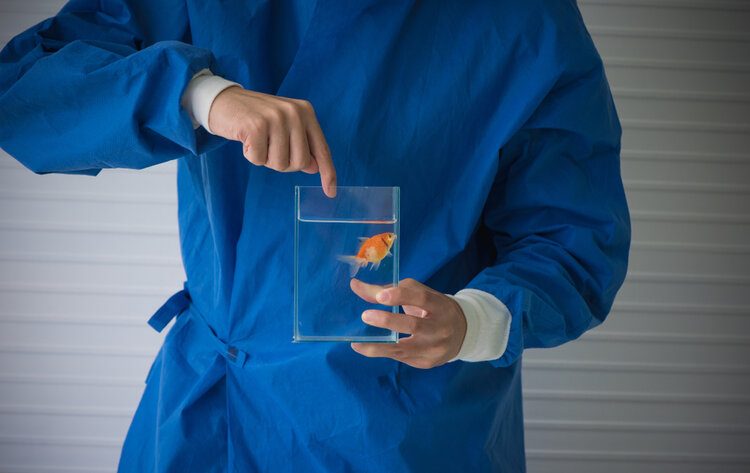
(178, 302)
(494, 118)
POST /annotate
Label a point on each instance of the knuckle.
(305, 160)
(288, 107)
(275, 116)
(256, 125)
(377, 318)
(304, 103)
(254, 158)
(293, 166)
(444, 334)
(251, 139)
(306, 106)
(439, 351)
(421, 298)
(422, 364)
(366, 351)
(252, 152)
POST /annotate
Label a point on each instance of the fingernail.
(383, 296)
(366, 315)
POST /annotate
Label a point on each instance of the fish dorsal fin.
(363, 239)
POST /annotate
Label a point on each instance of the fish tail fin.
(354, 263)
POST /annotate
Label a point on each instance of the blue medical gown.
(494, 118)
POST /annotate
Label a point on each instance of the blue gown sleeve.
(558, 215)
(99, 86)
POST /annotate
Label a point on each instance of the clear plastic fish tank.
(355, 233)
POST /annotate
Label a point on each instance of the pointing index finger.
(322, 155)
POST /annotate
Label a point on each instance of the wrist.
(487, 326)
(201, 93)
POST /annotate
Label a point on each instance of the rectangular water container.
(328, 236)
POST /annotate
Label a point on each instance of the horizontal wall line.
(75, 350)
(670, 33)
(53, 469)
(57, 380)
(129, 321)
(689, 217)
(120, 229)
(634, 456)
(89, 289)
(38, 7)
(679, 246)
(89, 197)
(674, 125)
(675, 64)
(11, 7)
(637, 367)
(671, 338)
(67, 441)
(647, 427)
(93, 259)
(676, 4)
(697, 187)
(684, 156)
(679, 95)
(682, 278)
(682, 309)
(63, 411)
(633, 397)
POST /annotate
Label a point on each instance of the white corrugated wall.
(663, 386)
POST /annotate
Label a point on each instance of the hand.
(435, 321)
(279, 133)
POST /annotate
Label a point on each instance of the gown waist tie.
(175, 306)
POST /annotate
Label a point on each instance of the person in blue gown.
(495, 119)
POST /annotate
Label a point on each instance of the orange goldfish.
(372, 250)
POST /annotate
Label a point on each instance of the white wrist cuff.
(200, 94)
(487, 325)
